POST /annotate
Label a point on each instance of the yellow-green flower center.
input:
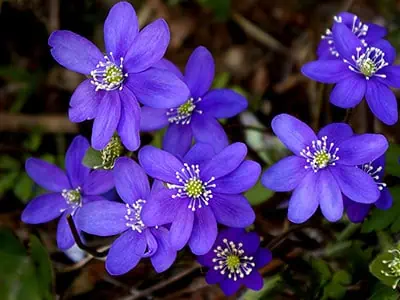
(232, 262)
(72, 197)
(111, 152)
(186, 108)
(113, 74)
(322, 159)
(194, 187)
(320, 154)
(367, 67)
(108, 74)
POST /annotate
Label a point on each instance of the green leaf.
(258, 194)
(9, 163)
(221, 8)
(377, 266)
(392, 160)
(342, 277)
(7, 181)
(322, 269)
(383, 292)
(334, 290)
(270, 285)
(221, 80)
(49, 158)
(34, 141)
(92, 158)
(44, 271)
(23, 187)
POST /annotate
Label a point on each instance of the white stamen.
(133, 218)
(320, 155)
(183, 114)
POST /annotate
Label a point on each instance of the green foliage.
(24, 277)
(221, 8)
(92, 158)
(379, 268)
(392, 160)
(258, 194)
(382, 292)
(271, 285)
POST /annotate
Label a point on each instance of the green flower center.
(113, 74)
(322, 159)
(186, 108)
(183, 114)
(320, 154)
(73, 197)
(108, 74)
(111, 152)
(232, 262)
(367, 67)
(194, 187)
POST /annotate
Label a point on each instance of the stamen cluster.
(73, 197)
(133, 217)
(183, 114)
(393, 266)
(368, 63)
(319, 155)
(370, 170)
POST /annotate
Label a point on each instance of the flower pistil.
(183, 114)
(368, 63)
(319, 156)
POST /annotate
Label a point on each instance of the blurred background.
(259, 47)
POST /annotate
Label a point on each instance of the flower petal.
(165, 64)
(356, 184)
(158, 88)
(208, 130)
(130, 180)
(47, 175)
(76, 171)
(98, 182)
(84, 102)
(125, 253)
(326, 71)
(74, 52)
(263, 257)
(102, 218)
(160, 208)
(200, 71)
(357, 212)
(285, 175)
(382, 102)
(152, 245)
(199, 153)
(44, 208)
(65, 239)
(222, 103)
(120, 29)
(360, 149)
(204, 231)
(345, 41)
(392, 76)
(165, 256)
(375, 33)
(129, 123)
(213, 277)
(225, 161)
(148, 48)
(385, 201)
(229, 286)
(330, 196)
(182, 226)
(106, 121)
(348, 93)
(253, 281)
(387, 48)
(304, 200)
(336, 132)
(232, 210)
(153, 118)
(293, 133)
(178, 139)
(240, 180)
(159, 164)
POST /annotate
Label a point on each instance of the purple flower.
(323, 167)
(137, 239)
(366, 32)
(234, 260)
(120, 77)
(197, 117)
(360, 71)
(69, 192)
(202, 189)
(358, 211)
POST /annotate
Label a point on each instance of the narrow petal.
(240, 180)
(149, 47)
(348, 93)
(120, 29)
(326, 71)
(47, 175)
(357, 212)
(182, 226)
(130, 180)
(323, 50)
(129, 123)
(74, 52)
(153, 118)
(204, 231)
(385, 200)
(387, 48)
(44, 208)
(225, 161)
(84, 102)
(375, 33)
(229, 286)
(165, 64)
(125, 253)
(102, 218)
(165, 256)
(178, 139)
(336, 132)
(356, 184)
(382, 102)
(199, 153)
(263, 257)
(293, 133)
(360, 149)
(232, 210)
(208, 130)
(160, 208)
(253, 281)
(285, 175)
(206, 259)
(106, 121)
(98, 182)
(304, 200)
(65, 239)
(392, 76)
(330, 196)
(199, 71)
(158, 88)
(345, 41)
(159, 164)
(213, 277)
(152, 245)
(76, 171)
(250, 241)
(222, 103)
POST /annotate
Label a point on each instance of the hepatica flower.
(197, 117)
(323, 167)
(120, 77)
(202, 189)
(360, 72)
(366, 32)
(234, 260)
(358, 211)
(68, 191)
(137, 240)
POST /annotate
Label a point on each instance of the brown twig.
(349, 113)
(280, 238)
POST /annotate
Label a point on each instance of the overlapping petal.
(44, 208)
(326, 71)
(222, 103)
(76, 171)
(153, 118)
(182, 226)
(98, 182)
(204, 231)
(348, 93)
(178, 139)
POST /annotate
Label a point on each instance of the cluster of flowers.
(194, 188)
